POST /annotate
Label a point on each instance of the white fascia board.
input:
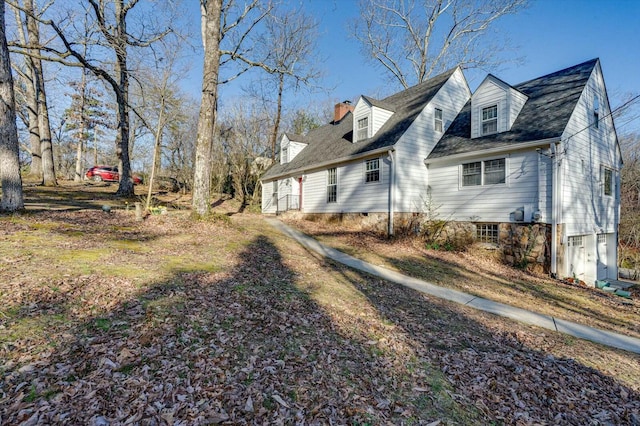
(323, 165)
(491, 151)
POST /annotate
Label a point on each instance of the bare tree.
(233, 24)
(415, 39)
(12, 198)
(211, 18)
(30, 117)
(39, 125)
(290, 56)
(111, 18)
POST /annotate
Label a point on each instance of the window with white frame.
(607, 181)
(488, 172)
(437, 120)
(602, 238)
(275, 190)
(332, 185)
(575, 241)
(490, 120)
(487, 232)
(285, 158)
(363, 128)
(372, 170)
(596, 112)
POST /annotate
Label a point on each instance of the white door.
(576, 256)
(601, 252)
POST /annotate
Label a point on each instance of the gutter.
(506, 148)
(392, 190)
(555, 198)
(324, 164)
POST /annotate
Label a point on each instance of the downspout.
(554, 209)
(392, 191)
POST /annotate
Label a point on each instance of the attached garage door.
(601, 250)
(576, 256)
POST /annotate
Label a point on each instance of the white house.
(537, 162)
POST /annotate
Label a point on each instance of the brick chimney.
(341, 109)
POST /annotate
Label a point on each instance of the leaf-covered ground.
(105, 320)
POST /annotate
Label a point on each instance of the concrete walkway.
(607, 338)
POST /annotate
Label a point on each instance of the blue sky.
(549, 35)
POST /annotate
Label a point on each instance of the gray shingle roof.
(552, 99)
(333, 142)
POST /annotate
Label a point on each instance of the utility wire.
(624, 105)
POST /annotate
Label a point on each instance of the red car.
(108, 174)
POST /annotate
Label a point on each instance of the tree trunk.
(125, 188)
(31, 98)
(276, 123)
(211, 12)
(83, 129)
(46, 145)
(10, 178)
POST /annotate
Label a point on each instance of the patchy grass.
(230, 322)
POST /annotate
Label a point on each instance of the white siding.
(488, 94)
(490, 203)
(414, 146)
(495, 92)
(354, 195)
(268, 199)
(295, 148)
(361, 110)
(585, 208)
(287, 195)
(545, 187)
(379, 117)
(515, 101)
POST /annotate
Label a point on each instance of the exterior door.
(576, 256)
(601, 252)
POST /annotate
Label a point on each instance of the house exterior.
(533, 168)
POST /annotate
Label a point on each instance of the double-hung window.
(489, 172)
(363, 128)
(437, 120)
(607, 180)
(490, 120)
(332, 185)
(285, 154)
(372, 170)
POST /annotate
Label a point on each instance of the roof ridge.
(562, 71)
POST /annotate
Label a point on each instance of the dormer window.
(284, 156)
(363, 128)
(437, 120)
(490, 120)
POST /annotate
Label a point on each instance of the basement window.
(487, 233)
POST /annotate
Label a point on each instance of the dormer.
(494, 107)
(290, 146)
(369, 116)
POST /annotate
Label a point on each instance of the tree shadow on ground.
(244, 346)
(499, 369)
(445, 273)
